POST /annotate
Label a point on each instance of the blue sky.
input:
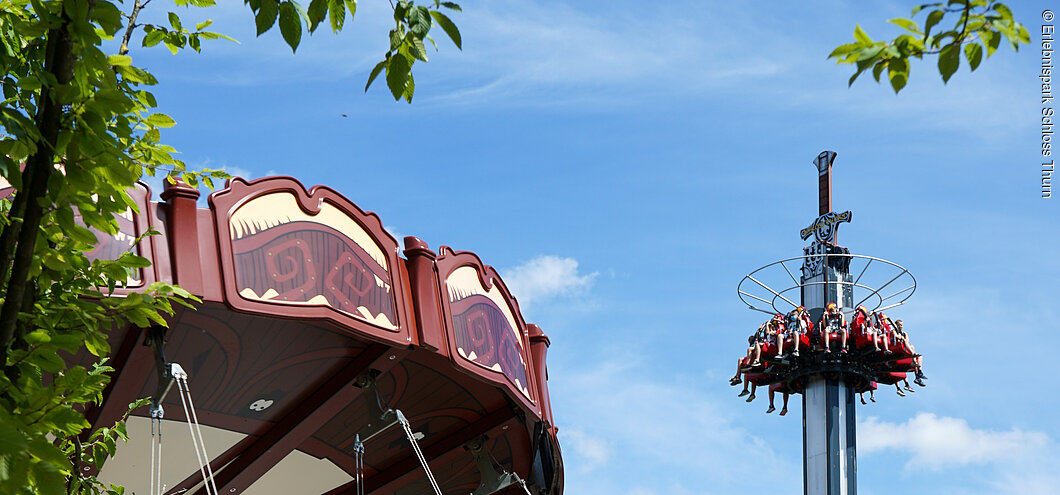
(625, 164)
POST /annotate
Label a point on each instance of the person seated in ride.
(744, 361)
(898, 388)
(901, 336)
(872, 394)
(799, 324)
(833, 321)
(774, 337)
(756, 340)
(781, 332)
(783, 410)
(860, 324)
(884, 332)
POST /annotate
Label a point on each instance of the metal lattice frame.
(874, 301)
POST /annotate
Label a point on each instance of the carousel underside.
(312, 337)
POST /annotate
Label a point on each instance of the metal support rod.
(877, 291)
(775, 293)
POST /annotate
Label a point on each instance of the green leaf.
(160, 120)
(918, 8)
(203, 25)
(49, 361)
(906, 24)
(878, 69)
(318, 10)
(898, 73)
(153, 37)
(420, 21)
(351, 6)
(933, 18)
(47, 479)
(133, 261)
(949, 61)
(119, 60)
(290, 25)
(991, 41)
(1002, 9)
(974, 53)
(859, 34)
(410, 88)
(375, 72)
(174, 21)
(398, 69)
(451, 6)
(868, 54)
(418, 50)
(337, 13)
(11, 439)
(447, 26)
(266, 15)
(37, 337)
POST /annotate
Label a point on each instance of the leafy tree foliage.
(979, 27)
(78, 128)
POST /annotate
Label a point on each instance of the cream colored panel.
(267, 211)
(300, 473)
(464, 282)
(131, 466)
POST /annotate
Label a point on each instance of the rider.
(782, 332)
(884, 331)
(918, 361)
(860, 324)
(783, 410)
(799, 324)
(833, 321)
(752, 345)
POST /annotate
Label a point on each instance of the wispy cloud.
(592, 451)
(549, 52)
(546, 277)
(617, 417)
(937, 442)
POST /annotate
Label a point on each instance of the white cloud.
(615, 418)
(936, 442)
(545, 277)
(552, 52)
(592, 451)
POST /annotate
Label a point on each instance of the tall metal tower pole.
(792, 362)
(828, 428)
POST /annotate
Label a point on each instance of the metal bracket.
(491, 480)
(156, 339)
(379, 419)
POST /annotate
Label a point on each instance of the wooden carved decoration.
(486, 329)
(308, 250)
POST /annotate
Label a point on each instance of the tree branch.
(60, 63)
(131, 26)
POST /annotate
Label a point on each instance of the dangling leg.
(784, 410)
(771, 408)
(899, 389)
